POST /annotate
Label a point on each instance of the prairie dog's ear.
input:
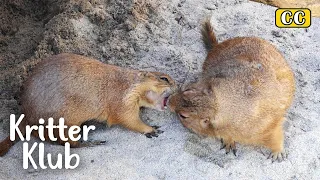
(190, 93)
(207, 91)
(142, 73)
(200, 90)
(201, 87)
(204, 123)
(205, 87)
(145, 74)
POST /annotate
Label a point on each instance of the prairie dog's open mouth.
(165, 99)
(158, 101)
(164, 102)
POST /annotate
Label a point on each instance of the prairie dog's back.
(72, 85)
(243, 94)
(252, 81)
(79, 89)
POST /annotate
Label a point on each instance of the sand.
(159, 36)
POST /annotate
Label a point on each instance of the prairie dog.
(79, 88)
(245, 89)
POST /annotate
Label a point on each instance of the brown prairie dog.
(79, 88)
(244, 92)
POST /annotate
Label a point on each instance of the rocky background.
(157, 35)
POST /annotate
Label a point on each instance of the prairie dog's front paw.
(154, 133)
(229, 145)
(280, 156)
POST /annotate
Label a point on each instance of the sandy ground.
(162, 36)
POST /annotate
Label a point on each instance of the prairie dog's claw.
(280, 156)
(150, 135)
(160, 131)
(229, 146)
(155, 127)
(222, 146)
(154, 133)
(235, 152)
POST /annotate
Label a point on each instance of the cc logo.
(293, 18)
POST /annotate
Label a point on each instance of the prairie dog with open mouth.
(79, 88)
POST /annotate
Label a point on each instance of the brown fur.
(208, 36)
(243, 95)
(78, 89)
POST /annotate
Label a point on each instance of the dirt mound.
(34, 29)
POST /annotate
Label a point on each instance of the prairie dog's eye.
(164, 79)
(182, 116)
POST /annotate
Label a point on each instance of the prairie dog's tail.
(5, 145)
(208, 36)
